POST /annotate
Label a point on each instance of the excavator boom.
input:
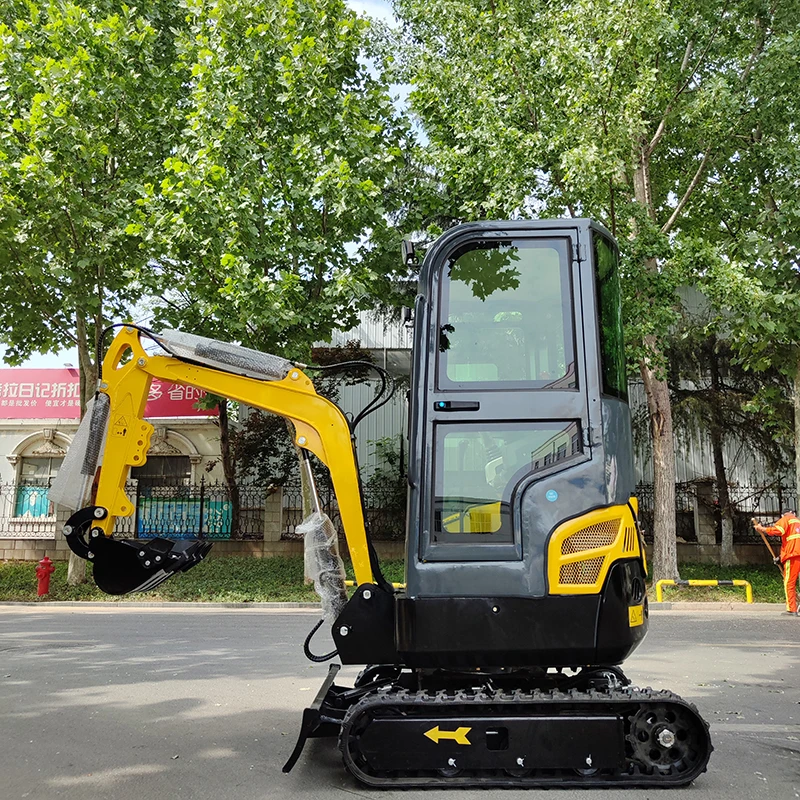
(115, 437)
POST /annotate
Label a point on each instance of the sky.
(373, 8)
(49, 361)
(379, 9)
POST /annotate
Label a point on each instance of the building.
(180, 487)
(39, 415)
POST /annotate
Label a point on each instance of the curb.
(277, 606)
(298, 606)
(693, 605)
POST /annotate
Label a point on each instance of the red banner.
(55, 394)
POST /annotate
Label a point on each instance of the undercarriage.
(401, 728)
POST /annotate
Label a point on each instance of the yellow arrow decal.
(459, 735)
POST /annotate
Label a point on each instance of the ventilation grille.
(603, 534)
(582, 572)
(629, 544)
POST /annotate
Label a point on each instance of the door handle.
(456, 405)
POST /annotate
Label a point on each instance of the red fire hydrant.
(43, 572)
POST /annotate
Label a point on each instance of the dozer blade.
(122, 566)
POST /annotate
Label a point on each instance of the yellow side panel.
(582, 550)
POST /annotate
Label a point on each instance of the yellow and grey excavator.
(497, 664)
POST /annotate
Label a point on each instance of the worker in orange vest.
(788, 528)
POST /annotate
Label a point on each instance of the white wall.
(189, 436)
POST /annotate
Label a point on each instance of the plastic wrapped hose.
(72, 487)
(225, 356)
(323, 564)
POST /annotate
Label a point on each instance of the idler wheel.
(663, 738)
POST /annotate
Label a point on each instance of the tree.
(618, 110)
(755, 203)
(84, 90)
(285, 174)
(712, 393)
(83, 95)
(261, 446)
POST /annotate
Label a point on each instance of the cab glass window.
(478, 468)
(506, 317)
(609, 302)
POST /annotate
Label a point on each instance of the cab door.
(505, 400)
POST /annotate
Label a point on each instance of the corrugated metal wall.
(389, 420)
(694, 459)
(375, 333)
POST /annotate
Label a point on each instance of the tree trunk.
(76, 570)
(86, 366)
(228, 466)
(665, 550)
(87, 369)
(727, 557)
(796, 398)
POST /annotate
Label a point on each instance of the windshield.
(506, 317)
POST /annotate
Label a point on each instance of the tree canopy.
(285, 173)
(624, 110)
(85, 90)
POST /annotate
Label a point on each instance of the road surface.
(161, 704)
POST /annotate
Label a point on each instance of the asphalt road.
(196, 703)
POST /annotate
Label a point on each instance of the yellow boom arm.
(320, 427)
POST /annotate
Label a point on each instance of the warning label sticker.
(120, 427)
(635, 616)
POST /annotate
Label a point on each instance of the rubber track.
(628, 701)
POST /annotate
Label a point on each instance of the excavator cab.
(522, 528)
(498, 662)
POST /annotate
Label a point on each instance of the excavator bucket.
(122, 566)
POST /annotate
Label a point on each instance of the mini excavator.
(498, 663)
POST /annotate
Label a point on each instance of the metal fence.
(25, 510)
(764, 502)
(172, 509)
(386, 510)
(384, 504)
(685, 499)
(203, 510)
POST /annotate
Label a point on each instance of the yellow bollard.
(747, 587)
